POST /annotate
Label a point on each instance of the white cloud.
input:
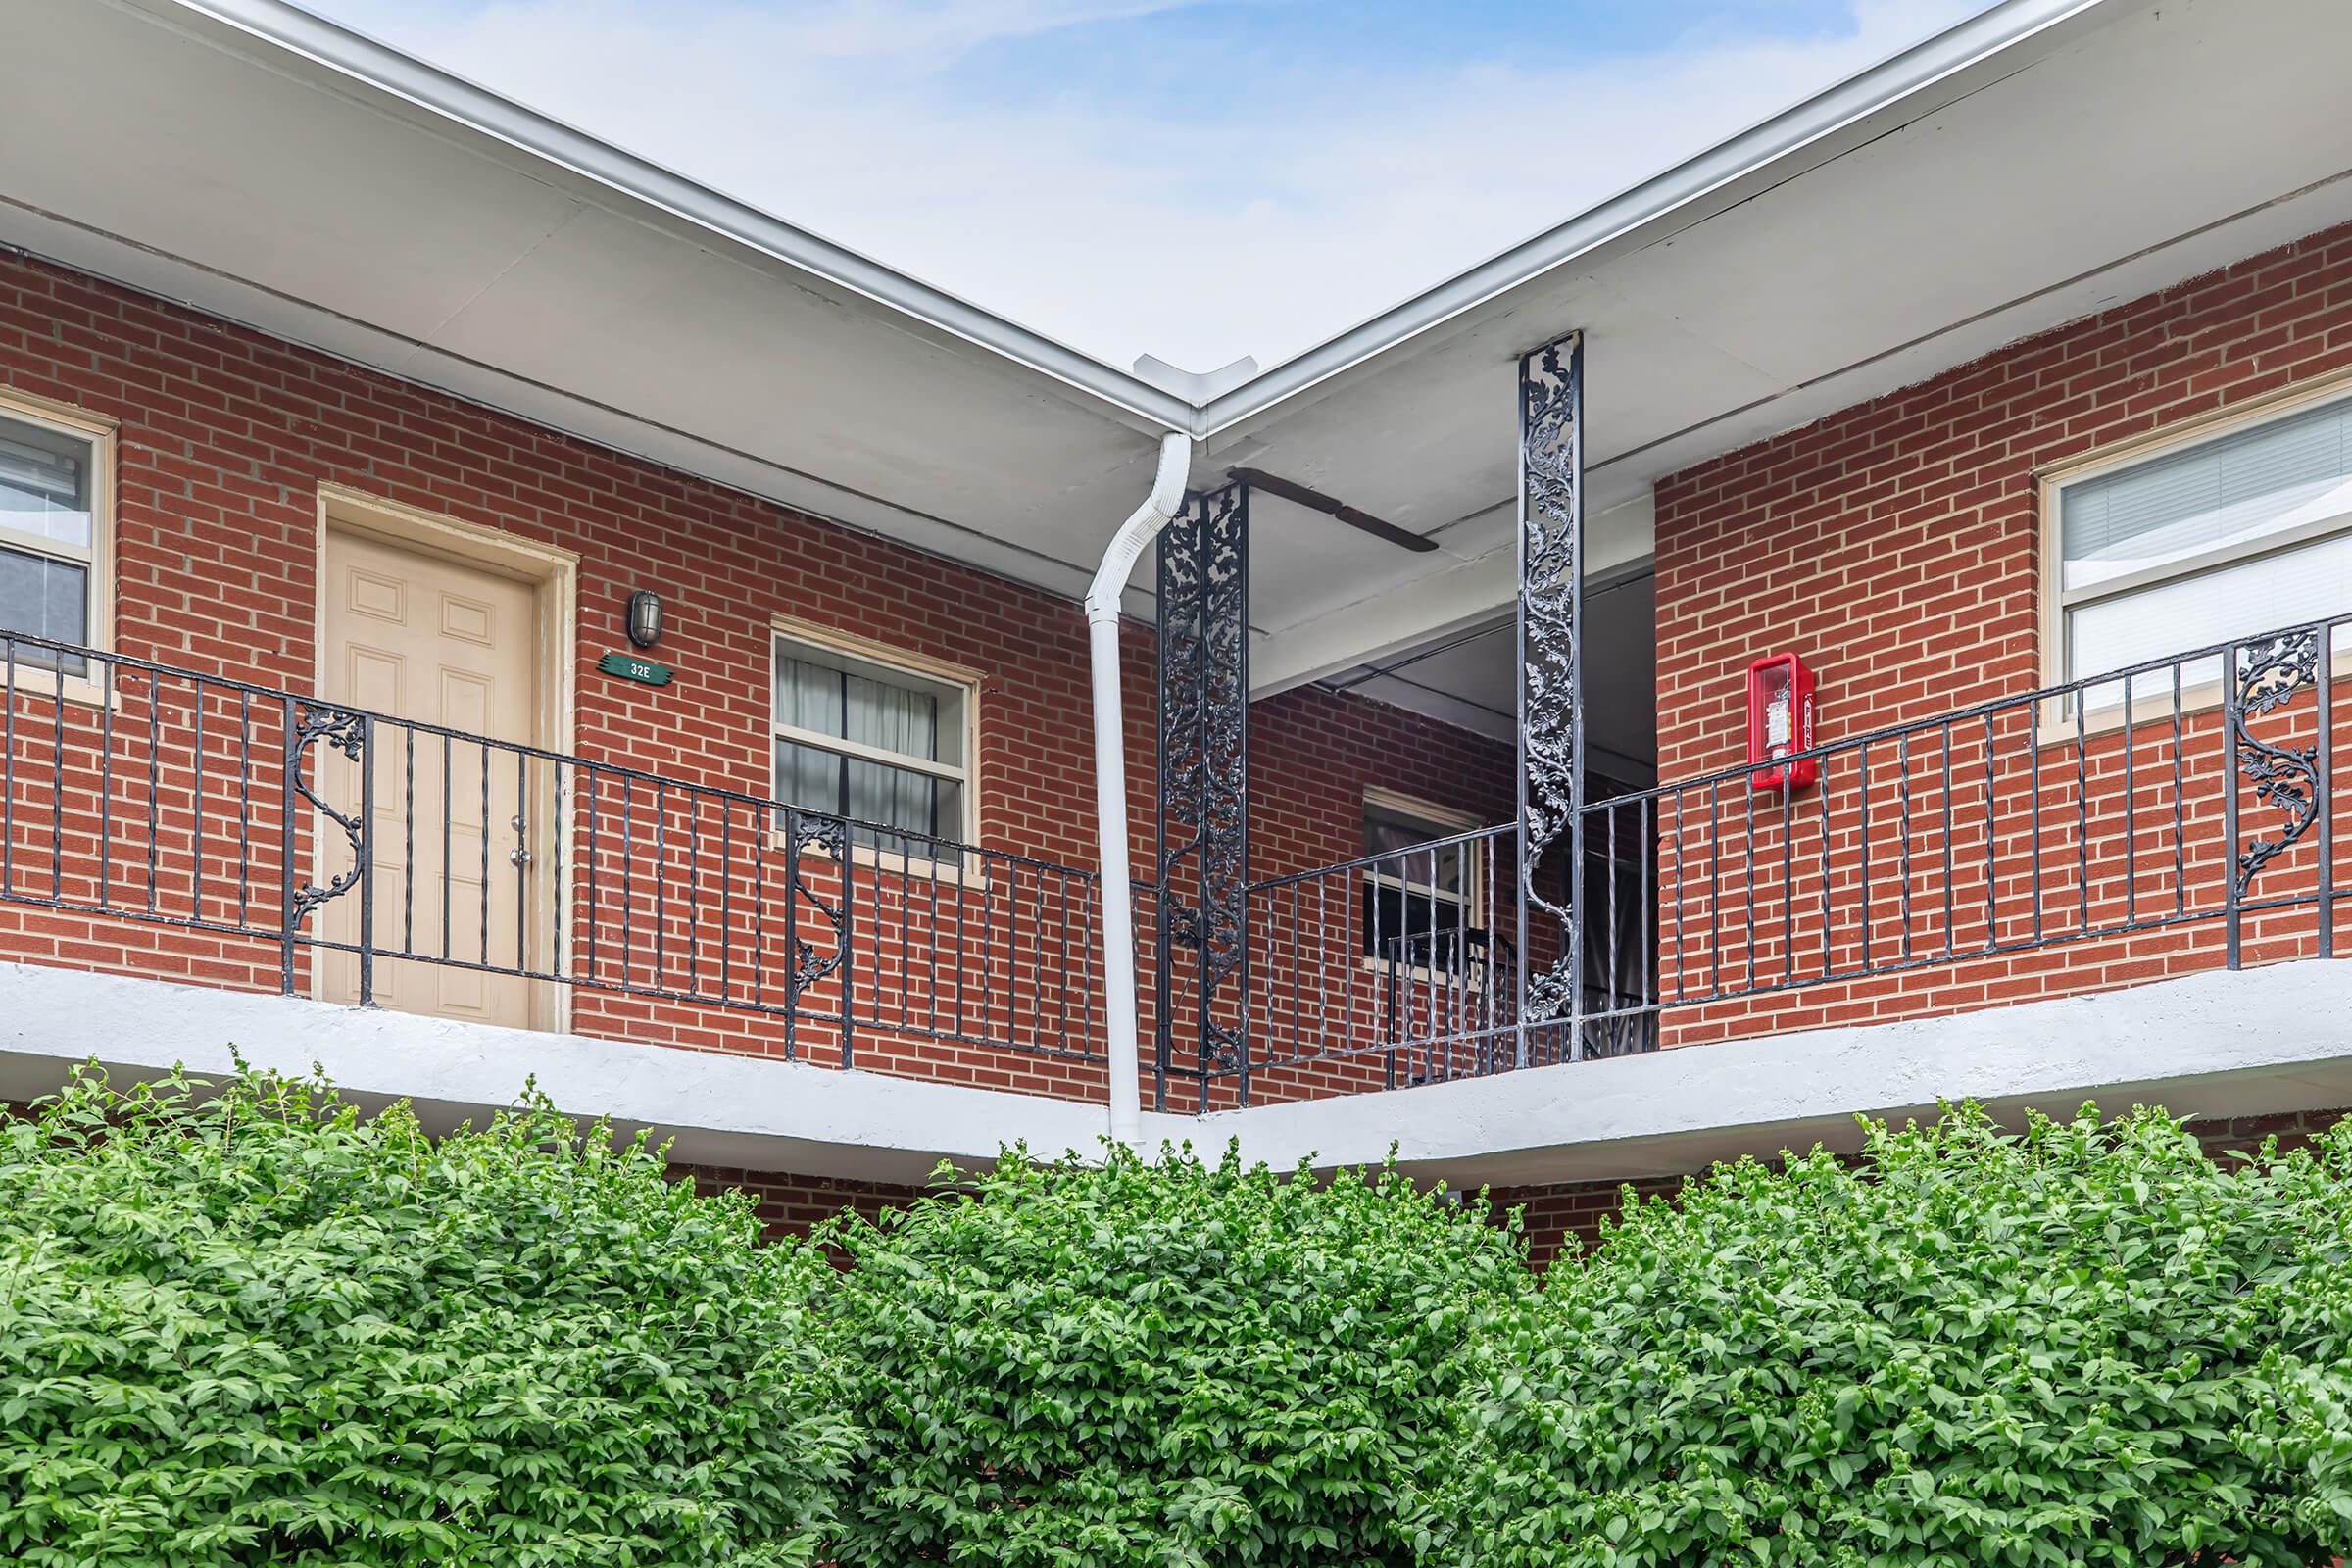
(1122, 227)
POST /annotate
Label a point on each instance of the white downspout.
(1125, 549)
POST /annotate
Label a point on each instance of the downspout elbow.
(1142, 526)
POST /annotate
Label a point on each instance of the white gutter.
(1119, 557)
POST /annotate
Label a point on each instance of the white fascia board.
(166, 277)
(363, 61)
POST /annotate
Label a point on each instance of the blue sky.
(1195, 180)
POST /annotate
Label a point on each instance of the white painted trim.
(100, 430)
(2178, 435)
(835, 648)
(554, 575)
(1805, 131)
(2219, 1044)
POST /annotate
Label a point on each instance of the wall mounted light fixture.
(644, 617)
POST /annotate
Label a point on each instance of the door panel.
(441, 642)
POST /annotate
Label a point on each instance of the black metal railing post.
(292, 764)
(794, 952)
(2324, 790)
(364, 852)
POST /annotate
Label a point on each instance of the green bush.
(2084, 1345)
(241, 1324)
(1167, 1363)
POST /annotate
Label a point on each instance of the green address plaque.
(630, 667)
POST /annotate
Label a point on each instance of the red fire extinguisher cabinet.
(1779, 721)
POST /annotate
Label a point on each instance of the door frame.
(552, 573)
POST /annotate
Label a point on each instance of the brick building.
(452, 566)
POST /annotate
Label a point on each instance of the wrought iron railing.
(1404, 967)
(354, 856)
(2175, 815)
(2184, 804)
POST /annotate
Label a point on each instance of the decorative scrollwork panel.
(345, 732)
(1550, 695)
(831, 838)
(2285, 776)
(1203, 808)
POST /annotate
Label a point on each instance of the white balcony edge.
(719, 1108)
(2217, 1043)
(2214, 1043)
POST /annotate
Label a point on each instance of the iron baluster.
(155, 783)
(244, 799)
(1902, 811)
(2130, 805)
(407, 839)
(2324, 790)
(105, 776)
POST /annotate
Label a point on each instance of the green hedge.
(1166, 1363)
(2088, 1344)
(248, 1326)
(257, 1328)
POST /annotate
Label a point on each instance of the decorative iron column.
(1204, 824)
(1551, 710)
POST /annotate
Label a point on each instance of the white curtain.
(808, 698)
(892, 718)
(43, 484)
(825, 701)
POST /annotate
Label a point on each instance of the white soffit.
(2084, 167)
(278, 188)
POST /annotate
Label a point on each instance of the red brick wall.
(1895, 546)
(225, 438)
(791, 1204)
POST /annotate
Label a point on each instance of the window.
(53, 493)
(2207, 539)
(884, 745)
(1420, 904)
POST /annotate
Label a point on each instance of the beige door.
(443, 642)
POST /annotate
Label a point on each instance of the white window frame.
(824, 645)
(98, 615)
(1448, 823)
(2058, 722)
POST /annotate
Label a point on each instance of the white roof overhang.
(2040, 160)
(277, 169)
